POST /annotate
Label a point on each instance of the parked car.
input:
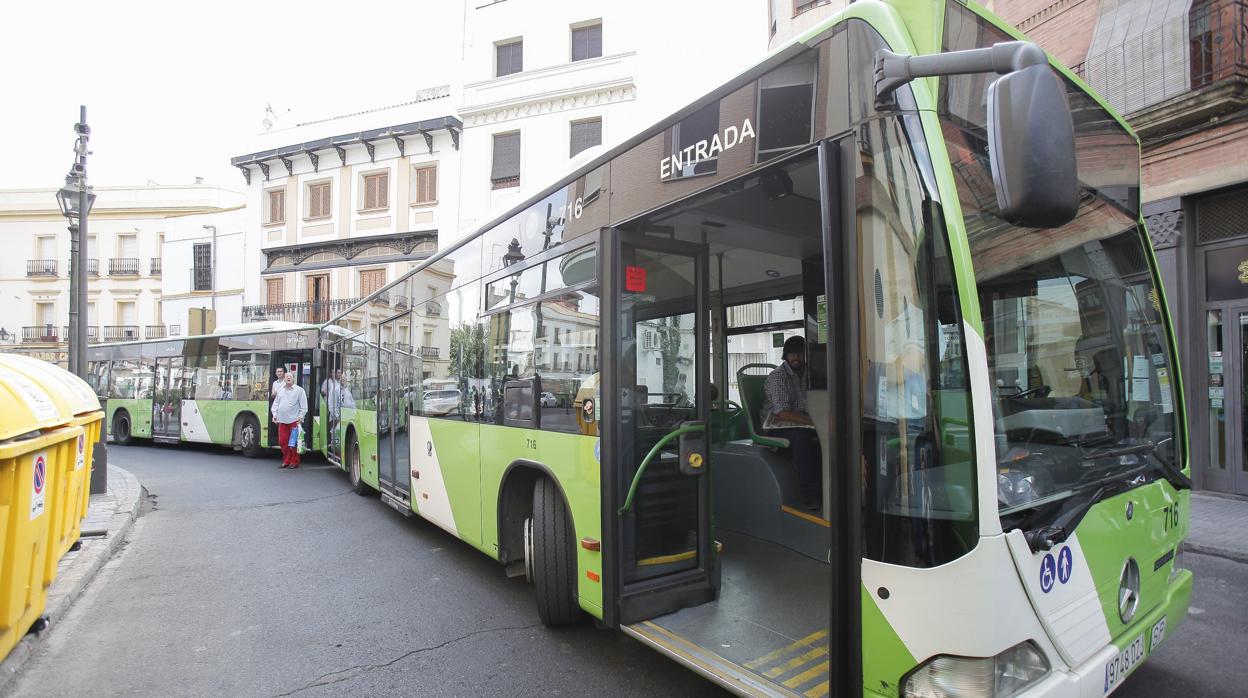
(549, 400)
(440, 401)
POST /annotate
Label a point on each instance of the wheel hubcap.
(249, 436)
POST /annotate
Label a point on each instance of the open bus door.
(665, 557)
(298, 361)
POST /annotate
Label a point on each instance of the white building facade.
(547, 86)
(127, 234)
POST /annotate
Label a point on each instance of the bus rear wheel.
(354, 470)
(550, 556)
(121, 429)
(249, 438)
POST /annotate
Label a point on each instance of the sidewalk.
(109, 518)
(1218, 526)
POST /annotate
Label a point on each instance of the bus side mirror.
(1031, 147)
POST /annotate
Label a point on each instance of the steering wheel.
(1038, 391)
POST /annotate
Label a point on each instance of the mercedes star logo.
(1129, 590)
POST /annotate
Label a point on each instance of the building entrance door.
(1226, 395)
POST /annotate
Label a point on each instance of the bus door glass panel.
(333, 396)
(385, 382)
(665, 531)
(167, 398)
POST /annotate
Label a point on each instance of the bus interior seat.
(242, 392)
(751, 386)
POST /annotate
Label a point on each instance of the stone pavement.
(109, 518)
(1219, 526)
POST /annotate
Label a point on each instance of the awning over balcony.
(373, 249)
(313, 150)
(1145, 52)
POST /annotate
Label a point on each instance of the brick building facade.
(1178, 71)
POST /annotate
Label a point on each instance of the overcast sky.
(173, 90)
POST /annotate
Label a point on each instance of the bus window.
(919, 495)
(567, 347)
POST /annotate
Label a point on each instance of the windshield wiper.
(1116, 451)
(1172, 474)
(1070, 511)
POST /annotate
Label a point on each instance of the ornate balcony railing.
(155, 332)
(121, 333)
(154, 266)
(41, 334)
(41, 267)
(304, 311)
(429, 352)
(123, 266)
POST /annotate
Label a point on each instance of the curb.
(78, 568)
(1215, 551)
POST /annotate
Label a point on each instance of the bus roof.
(224, 331)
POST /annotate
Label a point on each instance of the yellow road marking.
(795, 662)
(803, 515)
(820, 668)
(771, 656)
(820, 690)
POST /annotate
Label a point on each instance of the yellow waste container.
(73, 397)
(36, 451)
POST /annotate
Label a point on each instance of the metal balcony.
(121, 333)
(93, 333)
(154, 266)
(305, 311)
(155, 332)
(41, 267)
(93, 267)
(429, 352)
(38, 334)
(123, 266)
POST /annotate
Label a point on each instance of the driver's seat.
(753, 395)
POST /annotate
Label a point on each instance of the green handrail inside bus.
(654, 451)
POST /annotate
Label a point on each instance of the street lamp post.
(75, 200)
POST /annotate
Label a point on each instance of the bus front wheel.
(551, 556)
(249, 438)
(121, 429)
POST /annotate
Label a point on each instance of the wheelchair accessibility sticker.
(1056, 570)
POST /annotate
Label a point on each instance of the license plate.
(1127, 660)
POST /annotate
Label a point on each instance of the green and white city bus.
(577, 388)
(207, 389)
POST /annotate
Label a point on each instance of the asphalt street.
(247, 580)
(243, 579)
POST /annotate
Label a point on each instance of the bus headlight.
(945, 676)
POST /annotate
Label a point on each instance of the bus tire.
(553, 556)
(355, 469)
(121, 428)
(249, 437)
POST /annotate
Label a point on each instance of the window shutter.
(426, 185)
(509, 58)
(587, 42)
(585, 134)
(371, 280)
(506, 156)
(383, 190)
(318, 200)
(276, 291)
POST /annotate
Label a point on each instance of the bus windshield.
(1078, 358)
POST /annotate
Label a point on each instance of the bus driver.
(785, 415)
